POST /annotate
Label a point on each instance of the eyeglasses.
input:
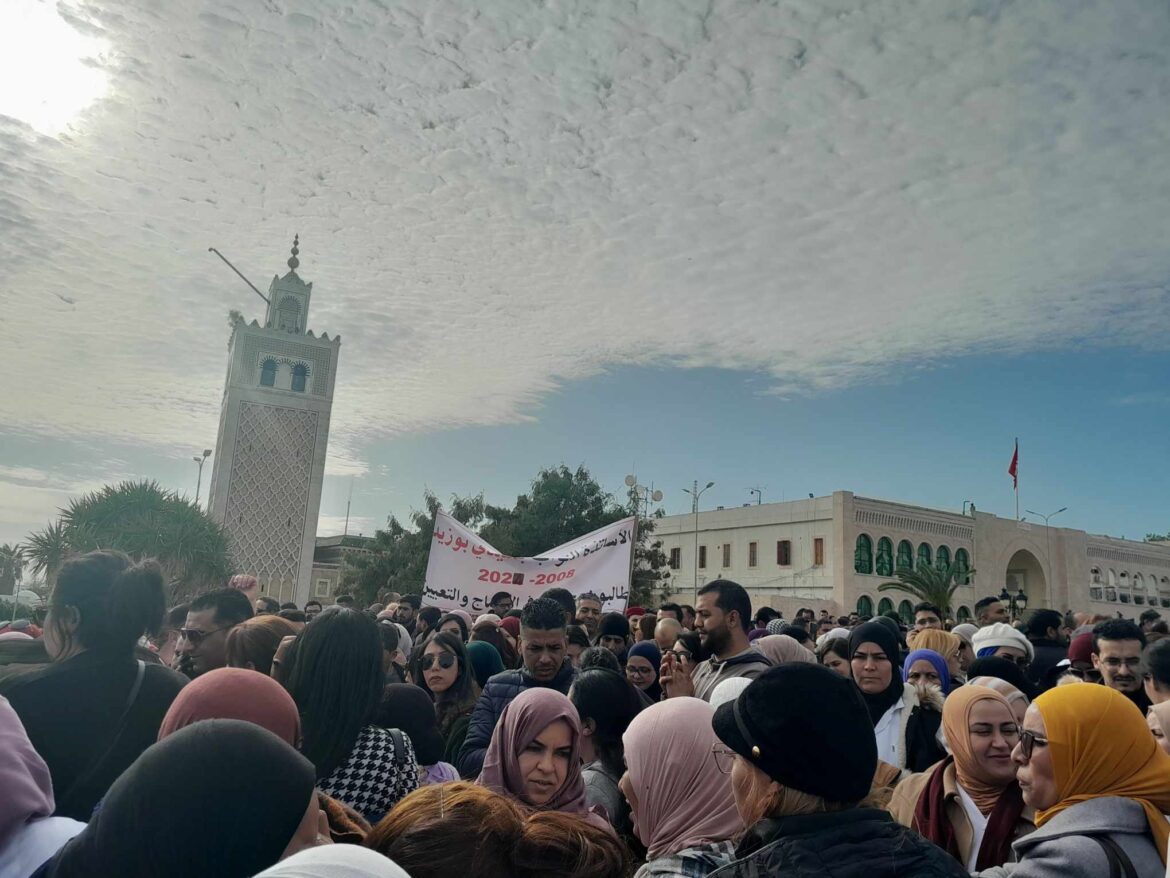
(1091, 675)
(1114, 663)
(446, 660)
(195, 637)
(724, 758)
(1021, 661)
(1028, 741)
(633, 671)
(682, 654)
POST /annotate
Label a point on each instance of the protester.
(248, 585)
(335, 676)
(1158, 720)
(578, 641)
(234, 693)
(1017, 700)
(312, 610)
(1044, 630)
(534, 755)
(485, 662)
(1156, 671)
(202, 644)
(670, 611)
(168, 637)
(905, 721)
(95, 708)
(347, 602)
(409, 709)
(666, 632)
(927, 615)
(642, 663)
(600, 657)
(406, 614)
(1117, 654)
(457, 622)
(970, 804)
(966, 634)
(501, 603)
(267, 606)
(925, 667)
(456, 829)
(564, 845)
(945, 644)
(1100, 786)
(990, 611)
(589, 613)
(689, 647)
(296, 618)
(798, 776)
(1006, 670)
(689, 618)
(1001, 640)
(447, 671)
(723, 617)
(253, 643)
(606, 705)
(335, 861)
(499, 638)
(835, 656)
(613, 632)
(248, 795)
(545, 665)
(779, 648)
(683, 808)
(29, 834)
(728, 690)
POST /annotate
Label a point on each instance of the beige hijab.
(781, 648)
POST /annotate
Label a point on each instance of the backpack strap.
(399, 740)
(1120, 865)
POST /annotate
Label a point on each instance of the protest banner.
(463, 571)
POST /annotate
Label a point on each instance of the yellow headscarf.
(1100, 746)
(942, 642)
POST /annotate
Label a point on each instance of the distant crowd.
(238, 736)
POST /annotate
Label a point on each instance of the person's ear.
(589, 727)
(70, 619)
(1096, 660)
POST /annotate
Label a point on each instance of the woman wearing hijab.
(970, 804)
(1016, 699)
(222, 797)
(1100, 786)
(1158, 720)
(925, 667)
(497, 637)
(947, 645)
(642, 663)
(683, 807)
(95, 708)
(409, 708)
(28, 834)
(782, 648)
(335, 861)
(606, 705)
(905, 722)
(534, 755)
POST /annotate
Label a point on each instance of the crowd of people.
(238, 736)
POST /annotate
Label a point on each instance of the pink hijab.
(26, 788)
(683, 799)
(782, 648)
(525, 717)
(235, 693)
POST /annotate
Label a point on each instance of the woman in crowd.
(28, 834)
(335, 861)
(1001, 640)
(1158, 720)
(782, 648)
(727, 690)
(605, 706)
(642, 662)
(600, 657)
(683, 808)
(1003, 669)
(454, 624)
(246, 795)
(578, 640)
(451, 829)
(798, 776)
(497, 637)
(95, 708)
(445, 670)
(335, 676)
(966, 634)
(1156, 671)
(534, 755)
(253, 643)
(1100, 786)
(835, 656)
(970, 804)
(905, 724)
(1016, 699)
(485, 661)
(947, 645)
(410, 709)
(688, 647)
(925, 667)
(566, 846)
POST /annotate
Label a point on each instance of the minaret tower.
(269, 463)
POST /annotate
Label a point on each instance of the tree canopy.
(928, 582)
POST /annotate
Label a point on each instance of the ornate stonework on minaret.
(269, 463)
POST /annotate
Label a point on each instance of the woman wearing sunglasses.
(1100, 786)
(444, 670)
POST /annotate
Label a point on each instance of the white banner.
(463, 571)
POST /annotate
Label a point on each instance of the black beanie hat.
(827, 751)
(613, 625)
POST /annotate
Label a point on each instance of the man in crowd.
(202, 645)
(989, 611)
(613, 633)
(589, 614)
(666, 633)
(426, 622)
(1117, 654)
(764, 615)
(312, 610)
(266, 606)
(671, 611)
(927, 615)
(344, 600)
(1148, 619)
(825, 625)
(688, 617)
(565, 601)
(1045, 631)
(501, 603)
(723, 615)
(406, 613)
(543, 649)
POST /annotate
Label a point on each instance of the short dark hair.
(1040, 620)
(984, 603)
(563, 598)
(687, 608)
(731, 597)
(694, 644)
(176, 616)
(1149, 616)
(599, 657)
(501, 594)
(390, 635)
(231, 605)
(293, 615)
(1116, 629)
(766, 614)
(289, 605)
(343, 600)
(514, 613)
(271, 605)
(431, 615)
(610, 700)
(797, 633)
(578, 636)
(589, 596)
(413, 601)
(927, 607)
(313, 603)
(543, 614)
(1156, 663)
(671, 608)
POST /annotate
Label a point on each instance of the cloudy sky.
(807, 245)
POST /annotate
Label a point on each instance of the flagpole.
(1017, 478)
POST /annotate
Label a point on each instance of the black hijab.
(875, 632)
(218, 798)
(1001, 668)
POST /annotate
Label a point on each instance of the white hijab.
(335, 861)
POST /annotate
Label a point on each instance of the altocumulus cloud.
(495, 198)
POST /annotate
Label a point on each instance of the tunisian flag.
(1014, 469)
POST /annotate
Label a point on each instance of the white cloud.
(494, 199)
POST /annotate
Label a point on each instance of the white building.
(833, 552)
(269, 464)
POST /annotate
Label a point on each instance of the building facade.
(332, 560)
(269, 464)
(833, 552)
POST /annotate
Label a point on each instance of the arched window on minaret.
(288, 314)
(299, 373)
(268, 373)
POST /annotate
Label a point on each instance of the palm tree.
(47, 550)
(11, 567)
(935, 585)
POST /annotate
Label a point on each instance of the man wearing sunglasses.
(1117, 654)
(202, 645)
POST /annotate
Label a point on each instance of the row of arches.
(905, 609)
(884, 561)
(1126, 588)
(298, 378)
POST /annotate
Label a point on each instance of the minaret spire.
(293, 262)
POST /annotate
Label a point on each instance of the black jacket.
(1049, 654)
(497, 694)
(858, 843)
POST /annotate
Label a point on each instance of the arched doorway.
(1024, 571)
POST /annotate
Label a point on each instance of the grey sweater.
(1062, 848)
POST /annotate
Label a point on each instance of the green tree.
(11, 567)
(47, 550)
(1158, 538)
(928, 583)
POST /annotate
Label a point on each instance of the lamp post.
(199, 481)
(1047, 534)
(1017, 602)
(696, 493)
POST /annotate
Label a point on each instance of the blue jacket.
(497, 694)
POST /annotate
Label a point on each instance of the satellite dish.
(656, 496)
(631, 481)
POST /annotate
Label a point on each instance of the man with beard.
(1117, 654)
(723, 616)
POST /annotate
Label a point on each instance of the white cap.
(1002, 634)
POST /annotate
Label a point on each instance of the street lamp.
(1017, 602)
(696, 493)
(199, 482)
(1047, 534)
